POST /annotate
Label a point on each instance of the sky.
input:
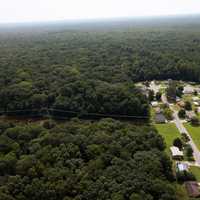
(53, 10)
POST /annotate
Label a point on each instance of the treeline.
(83, 161)
(61, 93)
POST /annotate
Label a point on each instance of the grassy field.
(169, 133)
(194, 132)
(196, 172)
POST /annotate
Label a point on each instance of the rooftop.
(176, 152)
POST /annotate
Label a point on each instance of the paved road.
(182, 129)
(178, 123)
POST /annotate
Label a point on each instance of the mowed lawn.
(194, 131)
(196, 172)
(169, 133)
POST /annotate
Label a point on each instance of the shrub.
(195, 121)
(185, 137)
(185, 176)
(181, 113)
(189, 150)
(188, 105)
(178, 143)
(168, 114)
(158, 96)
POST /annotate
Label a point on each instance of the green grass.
(169, 133)
(181, 192)
(194, 132)
(196, 172)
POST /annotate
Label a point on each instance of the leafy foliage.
(102, 160)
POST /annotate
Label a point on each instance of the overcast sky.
(48, 10)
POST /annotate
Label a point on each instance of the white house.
(182, 167)
(154, 103)
(176, 153)
(196, 103)
(188, 90)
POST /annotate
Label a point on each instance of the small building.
(160, 118)
(196, 103)
(192, 188)
(154, 103)
(176, 153)
(181, 104)
(188, 90)
(182, 167)
(190, 114)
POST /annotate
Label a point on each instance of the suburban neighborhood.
(175, 113)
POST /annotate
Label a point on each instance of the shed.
(181, 104)
(154, 103)
(176, 153)
(182, 167)
(160, 118)
(188, 90)
(196, 103)
(192, 188)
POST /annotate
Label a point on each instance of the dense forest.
(83, 161)
(92, 67)
(89, 70)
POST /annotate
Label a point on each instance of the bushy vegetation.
(102, 160)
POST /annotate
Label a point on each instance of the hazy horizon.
(23, 11)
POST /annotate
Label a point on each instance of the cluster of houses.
(190, 114)
(192, 187)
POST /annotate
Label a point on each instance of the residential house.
(176, 153)
(160, 118)
(182, 167)
(181, 104)
(188, 90)
(154, 103)
(196, 103)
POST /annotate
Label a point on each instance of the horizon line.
(98, 19)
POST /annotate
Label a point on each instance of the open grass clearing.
(169, 133)
(194, 131)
